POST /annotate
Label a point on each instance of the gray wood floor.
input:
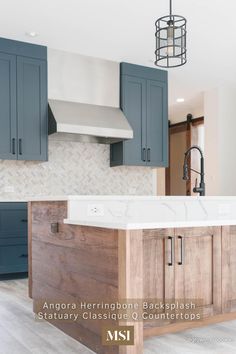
(21, 334)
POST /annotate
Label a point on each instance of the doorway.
(181, 137)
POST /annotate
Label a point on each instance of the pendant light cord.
(170, 8)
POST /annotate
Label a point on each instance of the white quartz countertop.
(149, 212)
(12, 199)
(48, 198)
(143, 212)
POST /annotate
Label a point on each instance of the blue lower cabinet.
(13, 220)
(13, 238)
(13, 259)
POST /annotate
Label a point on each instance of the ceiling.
(123, 30)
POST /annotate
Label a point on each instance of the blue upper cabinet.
(32, 108)
(157, 123)
(144, 101)
(23, 101)
(133, 105)
(8, 124)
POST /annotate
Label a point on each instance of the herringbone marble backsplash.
(74, 168)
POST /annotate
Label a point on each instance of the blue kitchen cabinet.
(13, 259)
(157, 124)
(8, 124)
(23, 101)
(144, 101)
(133, 105)
(32, 108)
(13, 238)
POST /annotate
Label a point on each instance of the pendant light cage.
(170, 41)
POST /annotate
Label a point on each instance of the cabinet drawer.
(13, 220)
(13, 259)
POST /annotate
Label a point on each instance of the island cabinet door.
(229, 269)
(158, 267)
(198, 268)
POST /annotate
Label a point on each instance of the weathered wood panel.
(131, 280)
(229, 268)
(30, 249)
(72, 264)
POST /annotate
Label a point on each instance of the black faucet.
(201, 189)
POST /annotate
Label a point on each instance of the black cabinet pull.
(24, 220)
(13, 146)
(20, 146)
(171, 250)
(181, 250)
(23, 256)
(54, 227)
(149, 154)
(144, 157)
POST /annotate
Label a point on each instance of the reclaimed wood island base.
(72, 262)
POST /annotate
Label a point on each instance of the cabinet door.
(32, 108)
(158, 263)
(198, 267)
(157, 123)
(13, 259)
(229, 268)
(13, 223)
(8, 107)
(133, 104)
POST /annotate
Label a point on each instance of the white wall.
(220, 141)
(212, 161)
(77, 168)
(160, 181)
(178, 112)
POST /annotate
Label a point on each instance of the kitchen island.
(108, 249)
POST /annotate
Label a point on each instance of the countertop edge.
(149, 225)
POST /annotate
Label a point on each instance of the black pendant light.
(170, 40)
